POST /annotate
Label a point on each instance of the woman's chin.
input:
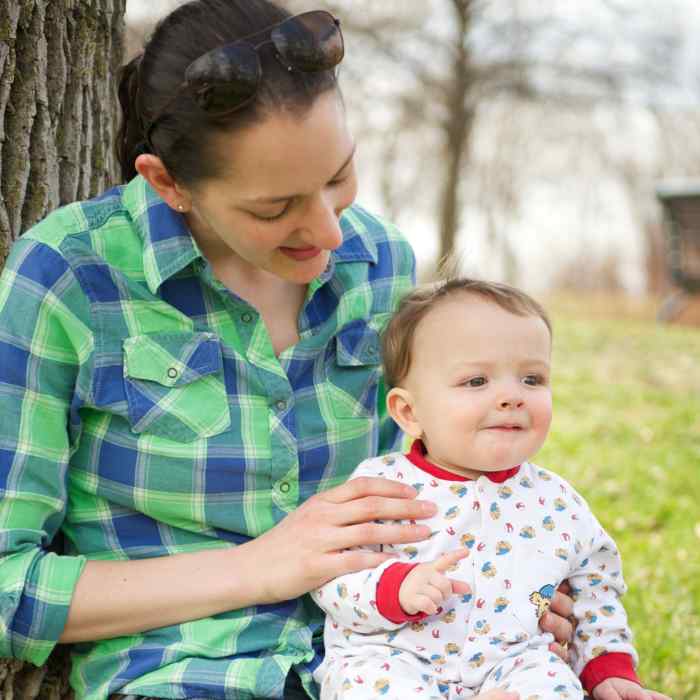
(303, 271)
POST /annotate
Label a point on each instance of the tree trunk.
(58, 104)
(58, 60)
(457, 130)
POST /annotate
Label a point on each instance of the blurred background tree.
(487, 107)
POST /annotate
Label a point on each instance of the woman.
(189, 371)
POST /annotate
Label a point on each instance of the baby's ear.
(399, 403)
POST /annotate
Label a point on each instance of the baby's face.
(479, 380)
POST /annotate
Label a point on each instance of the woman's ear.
(399, 403)
(152, 168)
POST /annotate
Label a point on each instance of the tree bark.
(58, 105)
(58, 108)
(457, 130)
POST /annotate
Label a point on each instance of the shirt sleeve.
(597, 585)
(43, 343)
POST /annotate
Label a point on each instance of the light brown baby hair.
(397, 339)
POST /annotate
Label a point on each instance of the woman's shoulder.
(76, 219)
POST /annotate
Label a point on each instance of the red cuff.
(388, 594)
(613, 665)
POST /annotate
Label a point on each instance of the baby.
(456, 616)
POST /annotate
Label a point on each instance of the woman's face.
(277, 207)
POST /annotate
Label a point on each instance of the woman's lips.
(300, 253)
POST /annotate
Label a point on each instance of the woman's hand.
(560, 621)
(308, 548)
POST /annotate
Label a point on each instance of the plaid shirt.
(143, 412)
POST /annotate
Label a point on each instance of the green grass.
(626, 433)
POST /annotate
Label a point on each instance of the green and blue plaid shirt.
(143, 412)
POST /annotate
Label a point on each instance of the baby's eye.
(476, 381)
(533, 379)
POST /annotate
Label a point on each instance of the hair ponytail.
(130, 138)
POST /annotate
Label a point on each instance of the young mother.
(189, 370)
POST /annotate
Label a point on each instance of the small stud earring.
(180, 207)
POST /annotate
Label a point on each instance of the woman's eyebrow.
(284, 198)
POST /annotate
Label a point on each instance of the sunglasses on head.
(227, 78)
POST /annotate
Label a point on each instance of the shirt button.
(172, 372)
(246, 317)
(281, 405)
(284, 487)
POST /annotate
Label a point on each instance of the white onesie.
(527, 530)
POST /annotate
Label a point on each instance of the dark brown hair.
(184, 137)
(397, 340)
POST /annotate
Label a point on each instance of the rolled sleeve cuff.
(613, 665)
(40, 615)
(388, 594)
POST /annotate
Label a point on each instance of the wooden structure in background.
(681, 205)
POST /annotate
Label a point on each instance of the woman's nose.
(323, 223)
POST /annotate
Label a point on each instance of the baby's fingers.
(446, 561)
(425, 604)
(460, 587)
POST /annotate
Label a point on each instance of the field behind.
(626, 433)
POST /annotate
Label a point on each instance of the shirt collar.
(417, 457)
(357, 245)
(168, 245)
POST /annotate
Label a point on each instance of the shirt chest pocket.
(354, 371)
(175, 385)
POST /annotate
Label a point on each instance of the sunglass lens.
(224, 78)
(310, 42)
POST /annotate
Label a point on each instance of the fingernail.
(429, 508)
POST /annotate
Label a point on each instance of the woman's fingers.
(368, 486)
(560, 651)
(378, 533)
(562, 629)
(367, 508)
(658, 696)
(562, 605)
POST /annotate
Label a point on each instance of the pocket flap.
(358, 344)
(172, 359)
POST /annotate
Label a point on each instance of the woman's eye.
(274, 217)
(476, 381)
(533, 379)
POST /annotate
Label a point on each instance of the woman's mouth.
(300, 253)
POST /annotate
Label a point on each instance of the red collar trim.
(417, 457)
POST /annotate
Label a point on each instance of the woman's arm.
(302, 552)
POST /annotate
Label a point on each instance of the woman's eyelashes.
(279, 215)
(273, 217)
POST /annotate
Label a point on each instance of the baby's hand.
(622, 689)
(427, 587)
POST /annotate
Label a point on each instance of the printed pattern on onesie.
(525, 534)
